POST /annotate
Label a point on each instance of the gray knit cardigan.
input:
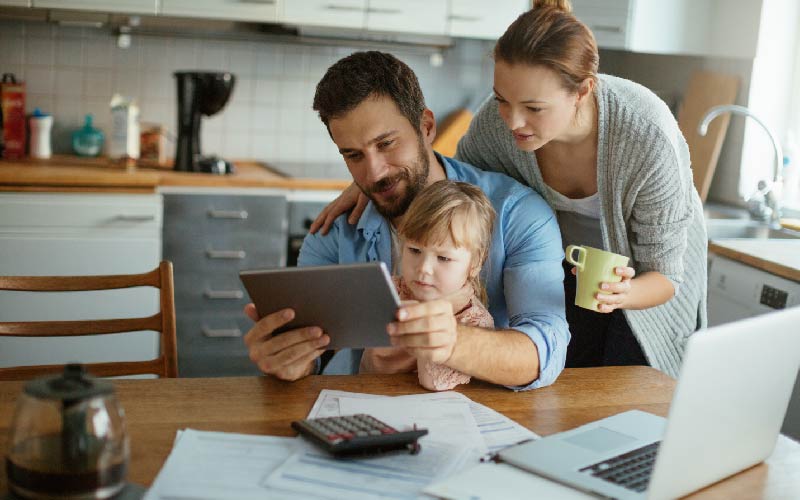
(651, 211)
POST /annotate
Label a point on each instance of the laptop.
(729, 404)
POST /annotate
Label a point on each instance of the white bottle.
(41, 124)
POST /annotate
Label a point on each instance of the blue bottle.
(87, 141)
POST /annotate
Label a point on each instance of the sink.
(738, 228)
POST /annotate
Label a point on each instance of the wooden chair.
(166, 365)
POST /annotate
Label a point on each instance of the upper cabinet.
(724, 28)
(325, 13)
(16, 3)
(482, 19)
(234, 10)
(121, 6)
(427, 17)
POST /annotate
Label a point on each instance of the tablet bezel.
(352, 303)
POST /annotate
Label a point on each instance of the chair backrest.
(166, 365)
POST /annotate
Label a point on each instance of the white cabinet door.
(235, 10)
(411, 16)
(608, 20)
(123, 6)
(329, 13)
(482, 19)
(16, 3)
(64, 234)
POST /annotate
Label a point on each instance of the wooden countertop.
(779, 257)
(156, 409)
(70, 173)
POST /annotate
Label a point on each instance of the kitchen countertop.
(70, 173)
(777, 256)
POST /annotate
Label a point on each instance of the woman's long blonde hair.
(452, 212)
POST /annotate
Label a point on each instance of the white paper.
(493, 481)
(397, 475)
(221, 466)
(498, 431)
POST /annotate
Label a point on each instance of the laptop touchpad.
(600, 439)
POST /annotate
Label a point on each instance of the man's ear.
(427, 126)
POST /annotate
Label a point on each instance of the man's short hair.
(363, 75)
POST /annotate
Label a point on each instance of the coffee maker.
(200, 93)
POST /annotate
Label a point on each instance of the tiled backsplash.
(73, 71)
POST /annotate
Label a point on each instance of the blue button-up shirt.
(522, 274)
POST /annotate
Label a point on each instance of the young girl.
(443, 241)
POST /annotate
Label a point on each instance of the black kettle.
(68, 439)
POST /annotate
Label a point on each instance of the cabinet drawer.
(237, 10)
(222, 254)
(31, 212)
(211, 345)
(220, 293)
(215, 214)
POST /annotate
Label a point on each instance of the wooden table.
(156, 409)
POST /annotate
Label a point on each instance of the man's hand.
(288, 356)
(427, 330)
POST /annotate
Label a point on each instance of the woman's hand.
(350, 197)
(615, 295)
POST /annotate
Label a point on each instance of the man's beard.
(415, 176)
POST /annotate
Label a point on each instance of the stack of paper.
(210, 465)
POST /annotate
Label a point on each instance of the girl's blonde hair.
(452, 212)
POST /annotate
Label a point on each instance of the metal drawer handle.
(345, 8)
(223, 294)
(609, 29)
(134, 218)
(227, 214)
(259, 2)
(226, 254)
(456, 17)
(221, 332)
(378, 10)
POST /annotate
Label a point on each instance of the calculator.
(358, 434)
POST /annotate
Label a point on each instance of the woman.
(609, 158)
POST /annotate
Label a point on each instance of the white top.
(589, 206)
(578, 219)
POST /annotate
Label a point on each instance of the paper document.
(490, 481)
(397, 475)
(221, 466)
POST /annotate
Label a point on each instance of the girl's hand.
(615, 295)
(350, 197)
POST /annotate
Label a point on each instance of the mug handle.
(581, 256)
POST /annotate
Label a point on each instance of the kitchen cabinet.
(235, 10)
(210, 236)
(726, 28)
(481, 19)
(16, 3)
(122, 6)
(325, 13)
(427, 17)
(78, 234)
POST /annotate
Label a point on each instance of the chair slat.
(115, 369)
(78, 328)
(78, 283)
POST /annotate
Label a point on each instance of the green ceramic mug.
(594, 266)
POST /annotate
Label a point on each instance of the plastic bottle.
(87, 141)
(41, 124)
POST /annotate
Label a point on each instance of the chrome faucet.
(770, 191)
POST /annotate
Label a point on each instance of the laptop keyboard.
(630, 470)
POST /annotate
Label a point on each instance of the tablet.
(352, 303)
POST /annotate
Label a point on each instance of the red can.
(12, 103)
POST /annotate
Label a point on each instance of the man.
(374, 110)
